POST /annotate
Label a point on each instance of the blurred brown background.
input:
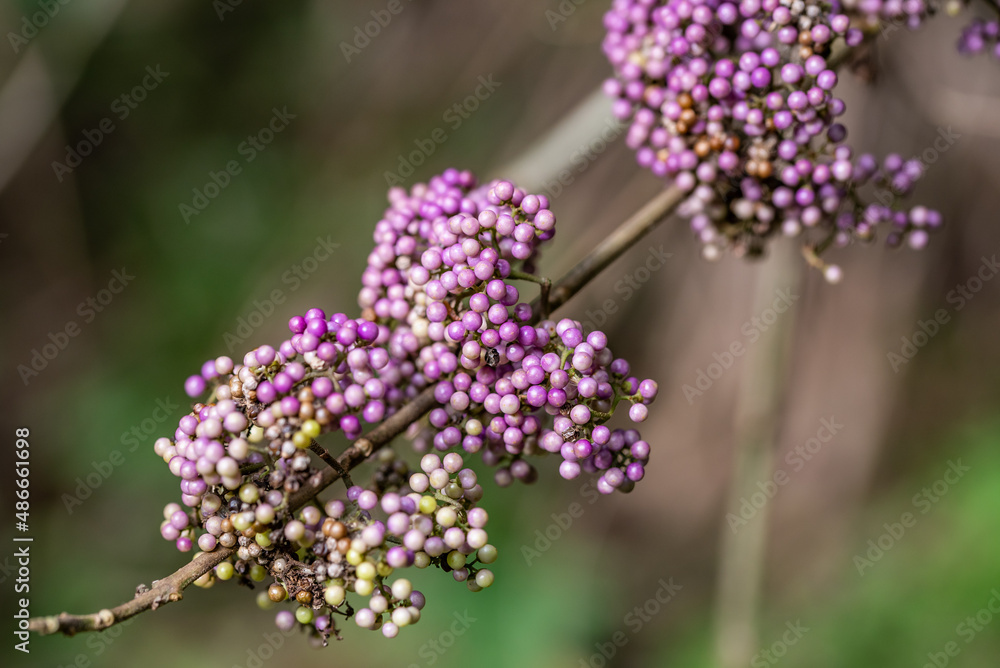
(357, 111)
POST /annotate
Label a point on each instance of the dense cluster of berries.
(440, 310)
(734, 103)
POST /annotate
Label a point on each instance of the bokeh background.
(228, 65)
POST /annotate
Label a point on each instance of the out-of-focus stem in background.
(760, 400)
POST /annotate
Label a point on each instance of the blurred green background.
(358, 107)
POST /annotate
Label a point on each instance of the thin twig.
(525, 276)
(163, 591)
(627, 234)
(331, 461)
(845, 54)
(544, 305)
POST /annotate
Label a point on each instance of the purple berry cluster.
(980, 36)
(440, 310)
(448, 271)
(550, 371)
(734, 103)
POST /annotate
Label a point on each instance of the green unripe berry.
(366, 570)
(484, 578)
(334, 595)
(401, 589)
(264, 513)
(428, 504)
(487, 554)
(304, 615)
(456, 559)
(310, 428)
(446, 517)
(401, 617)
(249, 493)
(241, 522)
